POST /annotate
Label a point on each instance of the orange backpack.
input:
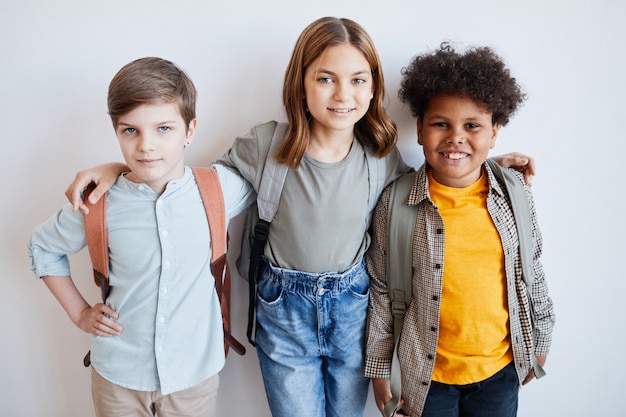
(213, 199)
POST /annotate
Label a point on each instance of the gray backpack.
(260, 215)
(401, 225)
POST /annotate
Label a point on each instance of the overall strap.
(213, 200)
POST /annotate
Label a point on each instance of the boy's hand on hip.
(98, 320)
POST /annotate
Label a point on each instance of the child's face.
(456, 135)
(152, 138)
(338, 86)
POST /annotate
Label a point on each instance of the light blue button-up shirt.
(160, 277)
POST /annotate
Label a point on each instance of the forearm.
(68, 296)
(98, 319)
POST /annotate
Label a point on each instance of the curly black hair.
(479, 74)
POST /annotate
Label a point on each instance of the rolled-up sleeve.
(51, 242)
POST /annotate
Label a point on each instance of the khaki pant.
(111, 400)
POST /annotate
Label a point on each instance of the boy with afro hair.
(468, 342)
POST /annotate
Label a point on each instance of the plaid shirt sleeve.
(542, 303)
(379, 333)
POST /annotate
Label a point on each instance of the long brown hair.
(375, 129)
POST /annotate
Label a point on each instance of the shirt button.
(161, 319)
(164, 233)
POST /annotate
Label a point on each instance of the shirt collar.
(171, 186)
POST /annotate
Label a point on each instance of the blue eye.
(164, 129)
(359, 81)
(130, 130)
(325, 80)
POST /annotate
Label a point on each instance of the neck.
(332, 147)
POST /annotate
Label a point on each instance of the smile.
(455, 155)
(343, 111)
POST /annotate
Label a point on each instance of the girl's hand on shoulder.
(103, 176)
(523, 163)
(98, 320)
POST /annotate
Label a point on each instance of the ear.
(494, 135)
(191, 132)
(419, 131)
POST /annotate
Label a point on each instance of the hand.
(97, 320)
(531, 374)
(103, 176)
(382, 394)
(523, 163)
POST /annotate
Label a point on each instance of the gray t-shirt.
(322, 220)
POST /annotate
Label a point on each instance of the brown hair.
(375, 129)
(151, 80)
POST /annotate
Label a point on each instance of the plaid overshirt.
(418, 341)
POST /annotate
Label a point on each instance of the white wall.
(57, 58)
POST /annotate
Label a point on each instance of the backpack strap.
(377, 169)
(273, 177)
(399, 272)
(213, 200)
(523, 223)
(97, 240)
(268, 199)
(98, 246)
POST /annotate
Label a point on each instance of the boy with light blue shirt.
(158, 340)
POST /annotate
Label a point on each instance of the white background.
(57, 58)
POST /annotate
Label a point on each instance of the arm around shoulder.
(238, 192)
(523, 163)
(104, 176)
(248, 153)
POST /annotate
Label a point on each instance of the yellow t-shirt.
(474, 338)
